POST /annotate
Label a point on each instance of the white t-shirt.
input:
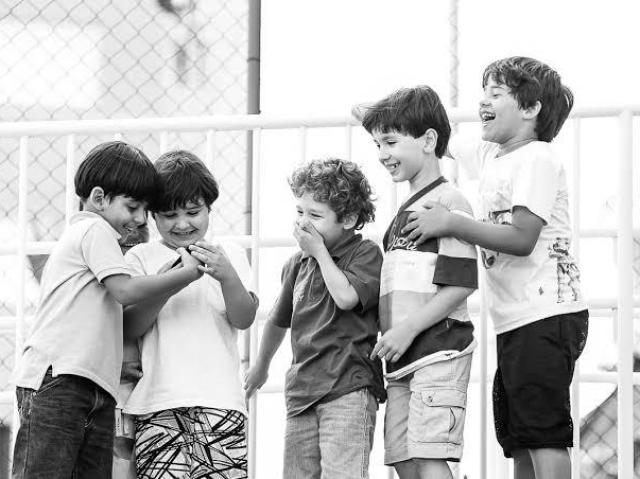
(524, 289)
(190, 355)
(77, 328)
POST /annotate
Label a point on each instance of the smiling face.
(503, 121)
(322, 218)
(183, 226)
(407, 158)
(123, 213)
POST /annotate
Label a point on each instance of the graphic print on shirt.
(399, 241)
(567, 270)
(502, 217)
(299, 288)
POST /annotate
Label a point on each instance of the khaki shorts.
(425, 412)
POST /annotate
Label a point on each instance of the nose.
(483, 102)
(140, 217)
(383, 154)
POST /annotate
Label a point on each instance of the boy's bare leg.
(433, 469)
(406, 470)
(551, 463)
(522, 465)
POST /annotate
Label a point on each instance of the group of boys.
(339, 291)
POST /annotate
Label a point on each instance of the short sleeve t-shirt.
(331, 347)
(77, 328)
(413, 274)
(190, 355)
(524, 289)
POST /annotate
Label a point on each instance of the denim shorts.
(425, 412)
(66, 430)
(332, 439)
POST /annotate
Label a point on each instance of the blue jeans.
(332, 439)
(66, 430)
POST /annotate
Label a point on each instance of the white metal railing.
(623, 305)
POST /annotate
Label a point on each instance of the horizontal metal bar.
(585, 378)
(235, 122)
(45, 247)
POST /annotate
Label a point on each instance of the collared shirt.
(330, 346)
(77, 328)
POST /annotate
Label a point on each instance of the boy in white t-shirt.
(533, 283)
(68, 372)
(189, 402)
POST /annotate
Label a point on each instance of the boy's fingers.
(374, 352)
(413, 234)
(411, 225)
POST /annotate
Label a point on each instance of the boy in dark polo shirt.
(329, 299)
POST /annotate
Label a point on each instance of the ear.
(430, 140)
(349, 222)
(532, 112)
(97, 198)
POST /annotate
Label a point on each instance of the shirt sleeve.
(134, 260)
(102, 253)
(467, 151)
(363, 273)
(535, 184)
(282, 310)
(456, 264)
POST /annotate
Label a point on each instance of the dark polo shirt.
(330, 346)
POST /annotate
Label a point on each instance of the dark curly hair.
(530, 81)
(338, 183)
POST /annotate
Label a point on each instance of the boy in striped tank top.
(427, 337)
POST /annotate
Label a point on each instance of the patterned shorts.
(191, 443)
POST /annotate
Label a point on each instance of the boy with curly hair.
(329, 299)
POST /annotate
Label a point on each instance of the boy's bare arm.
(139, 317)
(397, 340)
(342, 292)
(241, 306)
(130, 290)
(257, 375)
(360, 109)
(518, 238)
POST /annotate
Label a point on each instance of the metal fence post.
(625, 298)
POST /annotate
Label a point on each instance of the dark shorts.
(531, 402)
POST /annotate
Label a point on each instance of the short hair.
(411, 111)
(183, 178)
(119, 169)
(530, 81)
(338, 183)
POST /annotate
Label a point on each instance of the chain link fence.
(599, 441)
(112, 59)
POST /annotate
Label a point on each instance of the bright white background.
(319, 58)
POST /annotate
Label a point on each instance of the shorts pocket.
(50, 382)
(441, 416)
